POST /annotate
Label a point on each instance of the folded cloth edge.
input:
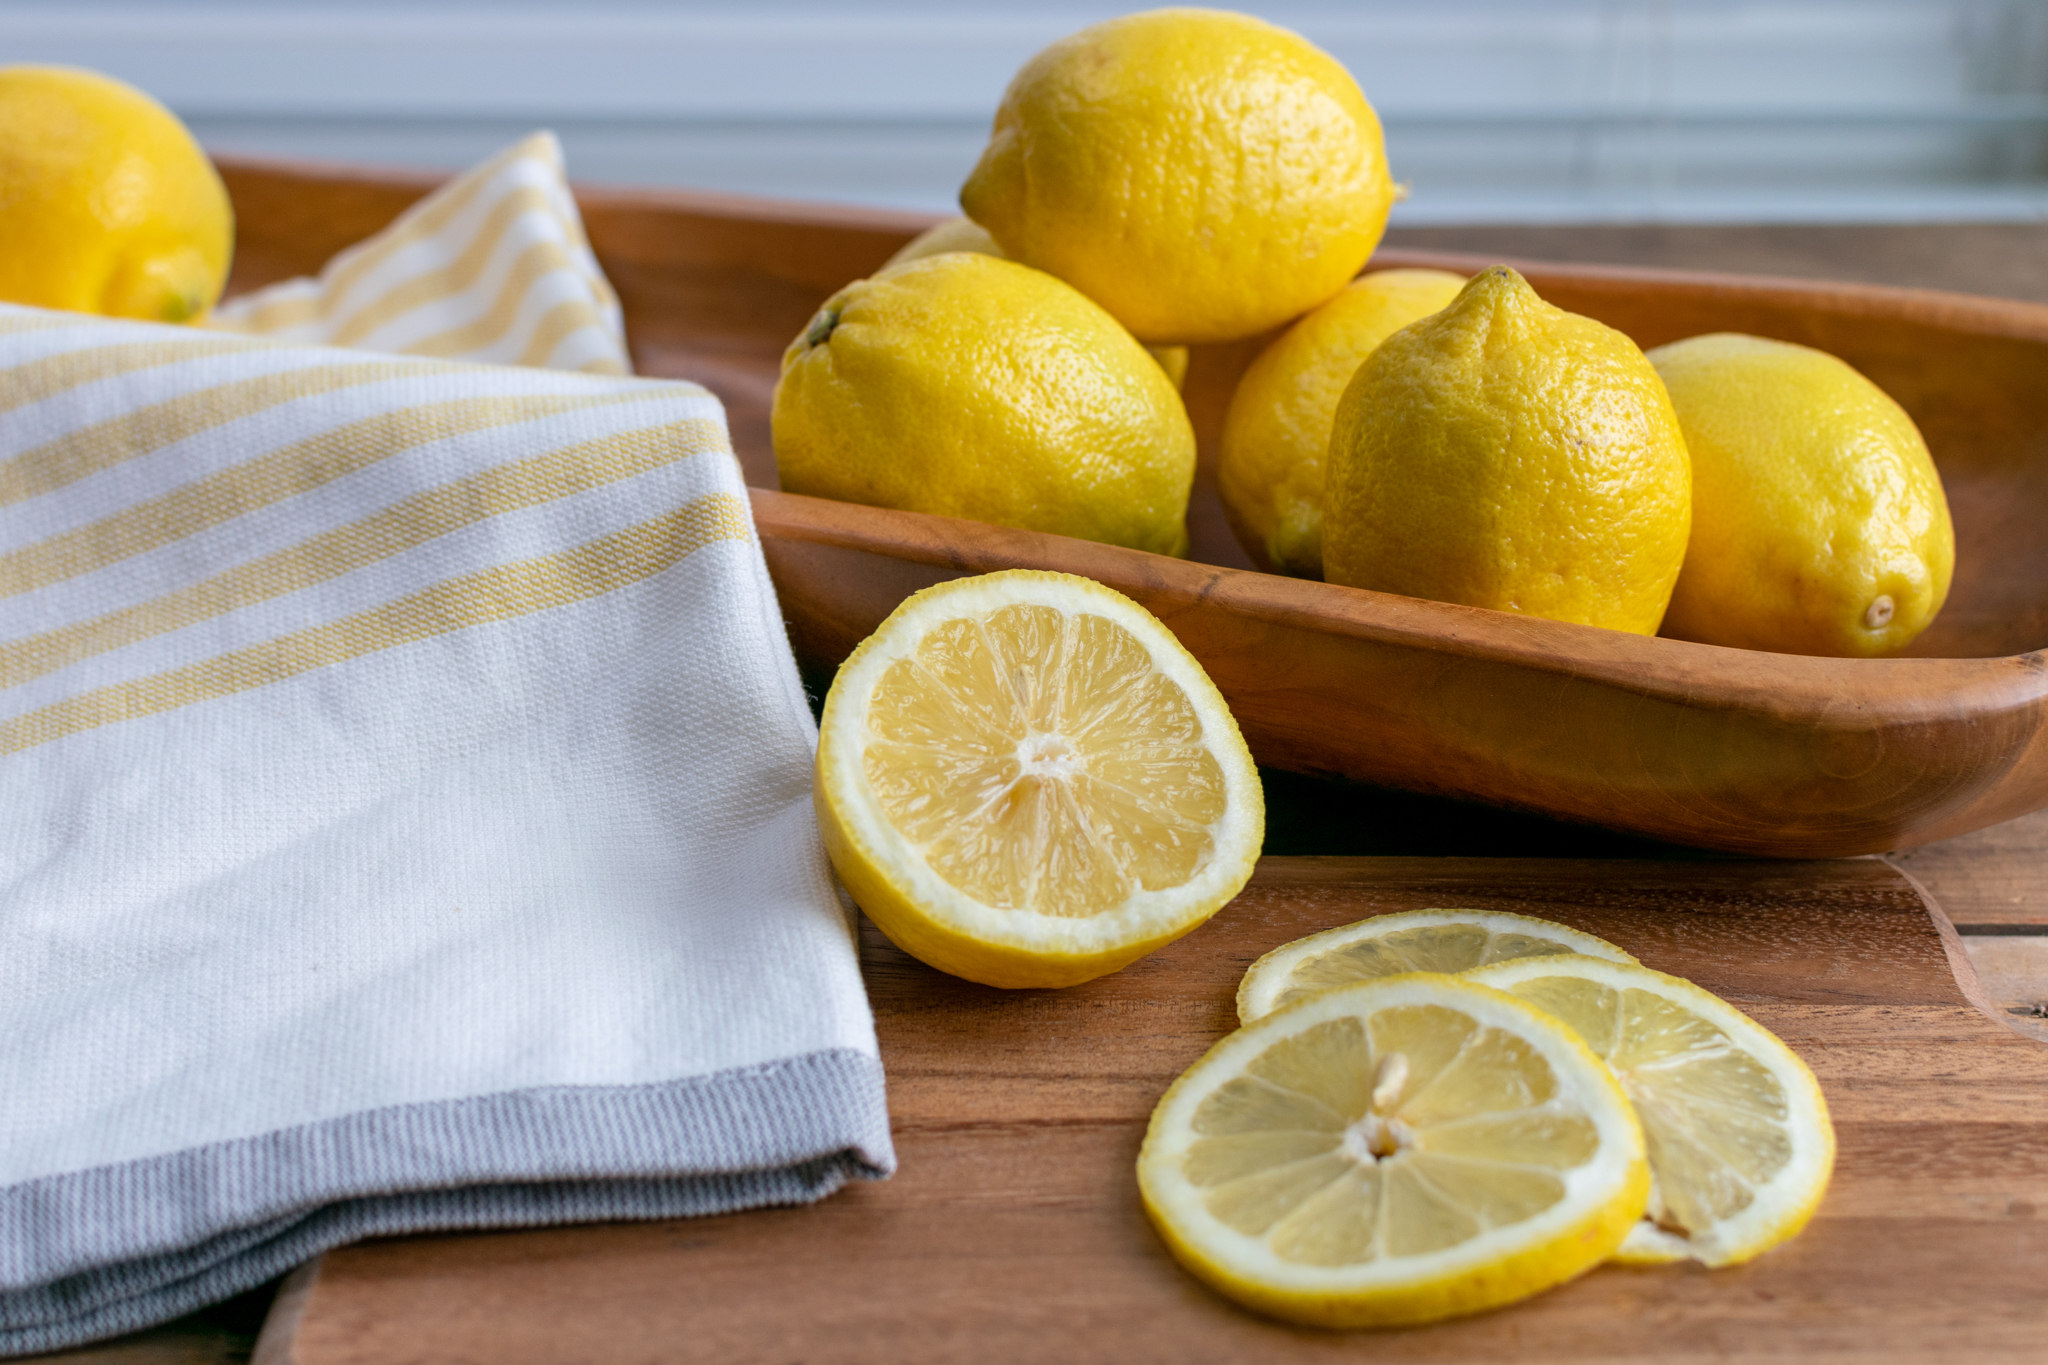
(110, 1257)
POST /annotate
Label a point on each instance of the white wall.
(1496, 110)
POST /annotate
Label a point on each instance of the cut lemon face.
(1025, 780)
(1740, 1143)
(1394, 1152)
(1410, 941)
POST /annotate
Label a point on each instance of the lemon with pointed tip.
(1025, 780)
(1819, 521)
(969, 386)
(1276, 432)
(1505, 453)
(107, 205)
(1740, 1144)
(1394, 1152)
(1203, 175)
(964, 234)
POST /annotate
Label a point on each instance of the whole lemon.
(1202, 175)
(1819, 523)
(107, 205)
(964, 234)
(1507, 454)
(975, 387)
(1276, 431)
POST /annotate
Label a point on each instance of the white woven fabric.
(404, 819)
(492, 267)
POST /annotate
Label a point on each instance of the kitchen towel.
(405, 820)
(492, 266)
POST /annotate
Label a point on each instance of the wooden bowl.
(1749, 752)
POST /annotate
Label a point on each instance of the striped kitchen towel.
(493, 266)
(405, 820)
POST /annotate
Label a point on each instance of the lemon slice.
(1741, 1147)
(1394, 1152)
(1025, 780)
(1410, 941)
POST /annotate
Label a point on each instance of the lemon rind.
(1267, 977)
(1605, 1196)
(1784, 1204)
(941, 925)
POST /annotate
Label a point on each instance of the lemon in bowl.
(1819, 521)
(1276, 431)
(1505, 453)
(968, 386)
(107, 205)
(1203, 175)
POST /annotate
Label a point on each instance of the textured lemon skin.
(968, 386)
(1276, 432)
(1813, 495)
(964, 234)
(1202, 175)
(922, 930)
(1579, 1247)
(1507, 454)
(107, 205)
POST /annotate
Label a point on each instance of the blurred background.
(1497, 111)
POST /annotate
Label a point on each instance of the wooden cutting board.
(1013, 1232)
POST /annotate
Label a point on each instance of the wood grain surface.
(1013, 1231)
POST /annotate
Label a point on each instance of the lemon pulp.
(1450, 941)
(1025, 780)
(1740, 1144)
(1394, 1151)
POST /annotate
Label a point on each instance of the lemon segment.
(1394, 1152)
(1740, 1144)
(1449, 941)
(1025, 780)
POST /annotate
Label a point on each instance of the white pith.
(1583, 1088)
(1145, 914)
(1273, 974)
(1789, 1193)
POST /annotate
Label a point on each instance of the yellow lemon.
(969, 386)
(1202, 175)
(1740, 1144)
(1449, 941)
(1819, 522)
(1507, 454)
(1025, 780)
(964, 234)
(1394, 1152)
(1276, 433)
(107, 205)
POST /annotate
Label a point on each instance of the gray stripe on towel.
(96, 1253)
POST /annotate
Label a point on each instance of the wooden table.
(1992, 884)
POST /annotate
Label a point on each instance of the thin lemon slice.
(1740, 1142)
(1409, 941)
(1025, 780)
(1394, 1152)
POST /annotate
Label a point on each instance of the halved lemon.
(1408, 941)
(1025, 780)
(1741, 1147)
(1394, 1152)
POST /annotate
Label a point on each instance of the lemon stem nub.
(821, 327)
(1879, 614)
